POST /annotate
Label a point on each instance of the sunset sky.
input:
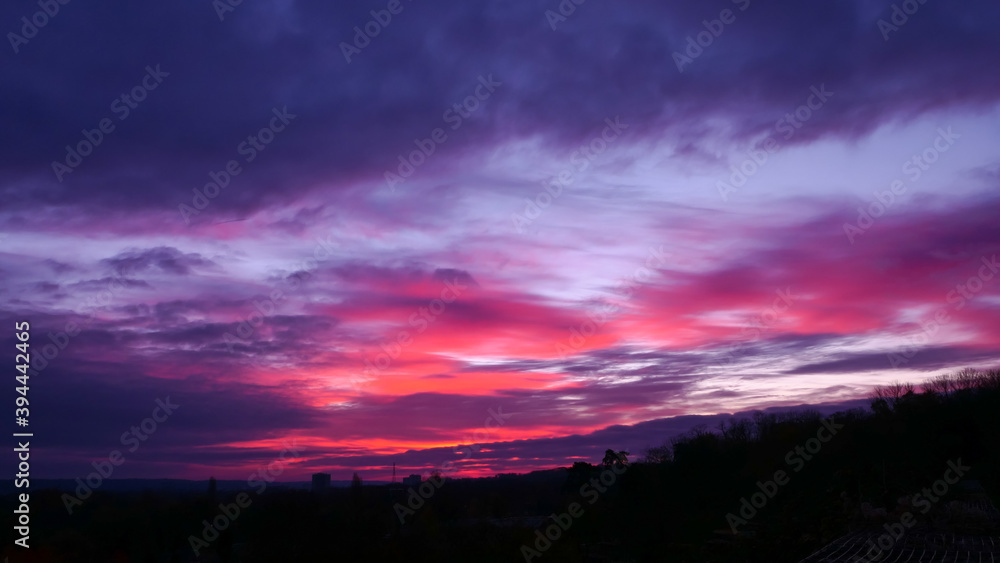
(585, 221)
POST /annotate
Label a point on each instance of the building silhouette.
(320, 482)
(412, 481)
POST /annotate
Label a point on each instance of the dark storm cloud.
(164, 258)
(225, 78)
(930, 358)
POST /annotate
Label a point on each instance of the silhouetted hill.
(769, 488)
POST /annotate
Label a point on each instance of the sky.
(381, 231)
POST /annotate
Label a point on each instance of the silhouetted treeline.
(852, 471)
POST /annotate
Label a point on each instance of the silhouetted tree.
(659, 454)
(612, 458)
(940, 385)
(991, 379)
(887, 397)
(621, 458)
(609, 458)
(737, 430)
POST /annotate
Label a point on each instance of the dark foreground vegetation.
(858, 470)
